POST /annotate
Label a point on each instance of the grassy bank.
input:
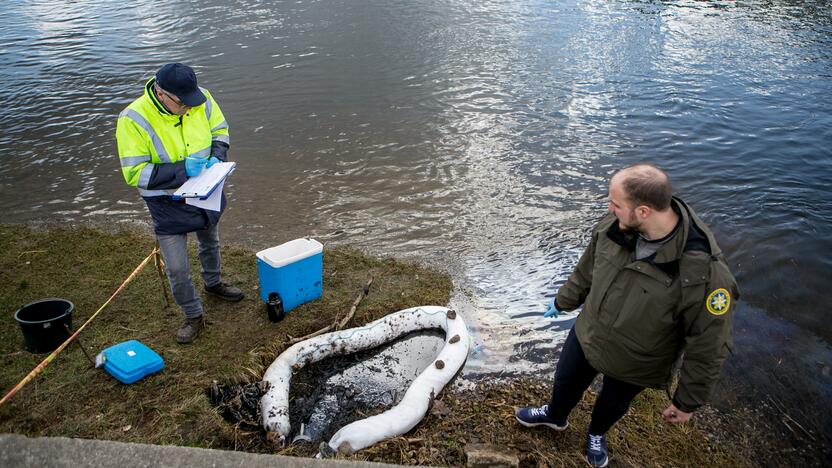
(86, 265)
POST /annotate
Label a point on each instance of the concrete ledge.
(62, 452)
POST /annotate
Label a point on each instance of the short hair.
(646, 184)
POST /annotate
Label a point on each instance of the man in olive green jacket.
(656, 291)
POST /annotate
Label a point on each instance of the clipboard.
(203, 185)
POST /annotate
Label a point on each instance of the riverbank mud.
(174, 406)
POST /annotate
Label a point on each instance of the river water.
(474, 135)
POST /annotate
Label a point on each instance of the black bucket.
(45, 324)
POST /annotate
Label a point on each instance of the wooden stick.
(29, 251)
(782, 410)
(311, 335)
(336, 325)
(40, 367)
(160, 263)
(78, 342)
(358, 299)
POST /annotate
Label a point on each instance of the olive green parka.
(640, 317)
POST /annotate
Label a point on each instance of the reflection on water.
(476, 135)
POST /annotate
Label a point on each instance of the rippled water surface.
(475, 135)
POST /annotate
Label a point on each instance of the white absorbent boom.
(395, 421)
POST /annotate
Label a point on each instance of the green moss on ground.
(85, 265)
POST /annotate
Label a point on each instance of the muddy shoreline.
(174, 407)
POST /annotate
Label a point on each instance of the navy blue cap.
(180, 80)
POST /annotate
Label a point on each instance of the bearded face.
(622, 208)
(628, 222)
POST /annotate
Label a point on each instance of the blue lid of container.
(130, 361)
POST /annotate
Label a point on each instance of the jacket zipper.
(182, 135)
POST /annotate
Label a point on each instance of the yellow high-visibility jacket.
(152, 146)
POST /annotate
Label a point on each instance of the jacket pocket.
(645, 318)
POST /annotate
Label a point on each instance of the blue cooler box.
(293, 271)
(130, 361)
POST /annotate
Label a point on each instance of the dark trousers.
(573, 376)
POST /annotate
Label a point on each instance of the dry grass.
(85, 266)
(70, 399)
(485, 414)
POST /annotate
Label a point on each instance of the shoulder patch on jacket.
(718, 301)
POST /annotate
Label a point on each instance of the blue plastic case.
(130, 361)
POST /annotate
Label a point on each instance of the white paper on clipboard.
(212, 203)
(207, 183)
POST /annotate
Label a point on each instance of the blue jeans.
(175, 252)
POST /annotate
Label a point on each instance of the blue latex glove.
(211, 161)
(552, 311)
(193, 166)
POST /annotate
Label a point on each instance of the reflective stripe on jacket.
(152, 147)
(639, 317)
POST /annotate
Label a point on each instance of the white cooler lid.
(290, 252)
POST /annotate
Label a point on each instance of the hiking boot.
(531, 417)
(225, 291)
(596, 450)
(189, 329)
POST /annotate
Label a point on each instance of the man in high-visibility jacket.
(173, 120)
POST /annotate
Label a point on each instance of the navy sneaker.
(596, 450)
(531, 417)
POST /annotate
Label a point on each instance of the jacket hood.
(693, 235)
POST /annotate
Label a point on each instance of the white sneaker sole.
(553, 426)
(606, 462)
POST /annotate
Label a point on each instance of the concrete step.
(63, 452)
